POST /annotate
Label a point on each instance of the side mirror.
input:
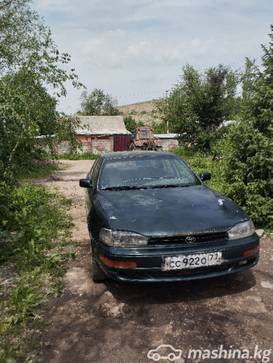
(86, 183)
(204, 175)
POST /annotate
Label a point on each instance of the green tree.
(27, 44)
(30, 63)
(248, 79)
(200, 102)
(98, 103)
(249, 145)
(131, 124)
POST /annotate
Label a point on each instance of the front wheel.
(171, 357)
(96, 272)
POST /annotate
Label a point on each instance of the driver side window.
(94, 171)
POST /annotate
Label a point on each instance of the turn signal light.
(118, 264)
(251, 252)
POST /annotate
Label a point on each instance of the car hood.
(168, 211)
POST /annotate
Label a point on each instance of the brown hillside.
(141, 112)
(146, 106)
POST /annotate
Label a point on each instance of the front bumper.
(149, 260)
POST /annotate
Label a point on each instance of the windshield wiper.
(170, 185)
(124, 187)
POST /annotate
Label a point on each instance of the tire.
(96, 272)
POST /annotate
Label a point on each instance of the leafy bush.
(248, 171)
(248, 147)
(204, 162)
(35, 169)
(32, 220)
(159, 127)
(131, 124)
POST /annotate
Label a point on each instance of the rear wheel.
(96, 272)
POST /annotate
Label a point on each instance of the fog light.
(118, 264)
(251, 252)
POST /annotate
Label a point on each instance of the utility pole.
(167, 121)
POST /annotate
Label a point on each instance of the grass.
(36, 170)
(203, 162)
(31, 265)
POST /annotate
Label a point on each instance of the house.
(100, 134)
(167, 141)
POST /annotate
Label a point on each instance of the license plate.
(192, 261)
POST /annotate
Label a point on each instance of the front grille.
(199, 238)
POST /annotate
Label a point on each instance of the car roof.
(134, 154)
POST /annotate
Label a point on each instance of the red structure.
(99, 134)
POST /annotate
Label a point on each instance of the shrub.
(32, 219)
(30, 222)
(248, 147)
(248, 171)
(131, 124)
(203, 162)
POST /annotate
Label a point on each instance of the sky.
(135, 49)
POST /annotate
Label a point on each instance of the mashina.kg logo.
(164, 351)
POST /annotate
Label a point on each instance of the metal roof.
(101, 125)
(167, 136)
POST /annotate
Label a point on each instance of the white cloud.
(135, 49)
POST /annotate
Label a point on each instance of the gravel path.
(120, 322)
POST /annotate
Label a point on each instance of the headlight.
(241, 230)
(122, 238)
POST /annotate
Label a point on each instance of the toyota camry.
(150, 218)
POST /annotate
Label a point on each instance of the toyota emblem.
(190, 239)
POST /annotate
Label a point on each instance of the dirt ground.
(120, 322)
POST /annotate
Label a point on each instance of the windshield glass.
(145, 172)
(145, 133)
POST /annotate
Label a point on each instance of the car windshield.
(146, 172)
(145, 133)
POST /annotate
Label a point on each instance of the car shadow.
(161, 293)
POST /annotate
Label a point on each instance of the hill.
(141, 112)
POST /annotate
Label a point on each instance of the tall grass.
(35, 220)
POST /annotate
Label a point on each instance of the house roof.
(101, 125)
(167, 136)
